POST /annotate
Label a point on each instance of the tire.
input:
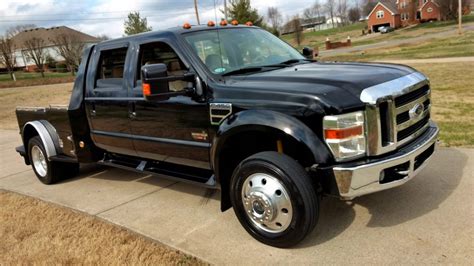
(48, 172)
(274, 199)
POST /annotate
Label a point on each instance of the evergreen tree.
(134, 24)
(242, 11)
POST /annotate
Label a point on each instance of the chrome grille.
(398, 111)
(412, 113)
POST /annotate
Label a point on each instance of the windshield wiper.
(243, 71)
(289, 62)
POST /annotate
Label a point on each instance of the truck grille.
(398, 112)
(412, 113)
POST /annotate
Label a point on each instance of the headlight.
(345, 135)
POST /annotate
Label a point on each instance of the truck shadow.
(422, 195)
(114, 174)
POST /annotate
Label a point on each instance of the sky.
(99, 17)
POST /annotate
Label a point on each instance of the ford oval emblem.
(416, 111)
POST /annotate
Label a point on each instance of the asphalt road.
(428, 220)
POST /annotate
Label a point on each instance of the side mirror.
(308, 53)
(155, 82)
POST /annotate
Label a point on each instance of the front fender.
(259, 120)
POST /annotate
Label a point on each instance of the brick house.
(401, 13)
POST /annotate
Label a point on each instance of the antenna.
(218, 36)
(225, 9)
(197, 13)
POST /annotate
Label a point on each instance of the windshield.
(226, 50)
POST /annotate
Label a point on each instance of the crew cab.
(234, 108)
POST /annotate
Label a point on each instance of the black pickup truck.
(234, 108)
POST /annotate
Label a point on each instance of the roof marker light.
(249, 23)
(211, 23)
(235, 22)
(186, 26)
(223, 22)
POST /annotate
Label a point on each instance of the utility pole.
(460, 17)
(197, 13)
(225, 9)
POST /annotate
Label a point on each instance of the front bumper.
(372, 175)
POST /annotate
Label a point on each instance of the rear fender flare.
(46, 132)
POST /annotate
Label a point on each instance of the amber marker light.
(235, 22)
(211, 23)
(343, 133)
(186, 26)
(249, 23)
(146, 89)
(223, 22)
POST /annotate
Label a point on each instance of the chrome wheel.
(267, 203)
(39, 161)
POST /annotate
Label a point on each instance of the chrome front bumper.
(372, 175)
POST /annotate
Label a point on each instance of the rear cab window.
(110, 68)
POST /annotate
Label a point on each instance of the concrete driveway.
(428, 220)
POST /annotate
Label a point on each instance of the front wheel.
(274, 199)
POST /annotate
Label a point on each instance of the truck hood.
(329, 87)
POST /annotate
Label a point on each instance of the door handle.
(93, 112)
(131, 113)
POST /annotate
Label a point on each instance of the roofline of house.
(384, 6)
(423, 6)
(47, 46)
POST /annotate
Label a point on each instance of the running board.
(180, 173)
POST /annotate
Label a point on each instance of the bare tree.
(449, 8)
(70, 48)
(353, 14)
(314, 11)
(275, 18)
(342, 10)
(317, 8)
(7, 55)
(295, 25)
(330, 7)
(36, 52)
(309, 13)
(103, 37)
(368, 6)
(12, 31)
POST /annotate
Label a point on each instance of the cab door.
(173, 129)
(106, 99)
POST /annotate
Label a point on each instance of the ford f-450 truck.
(234, 108)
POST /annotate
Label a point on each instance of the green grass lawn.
(24, 79)
(32, 75)
(453, 101)
(414, 31)
(454, 46)
(317, 38)
(436, 24)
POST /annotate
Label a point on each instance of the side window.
(110, 68)
(162, 53)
